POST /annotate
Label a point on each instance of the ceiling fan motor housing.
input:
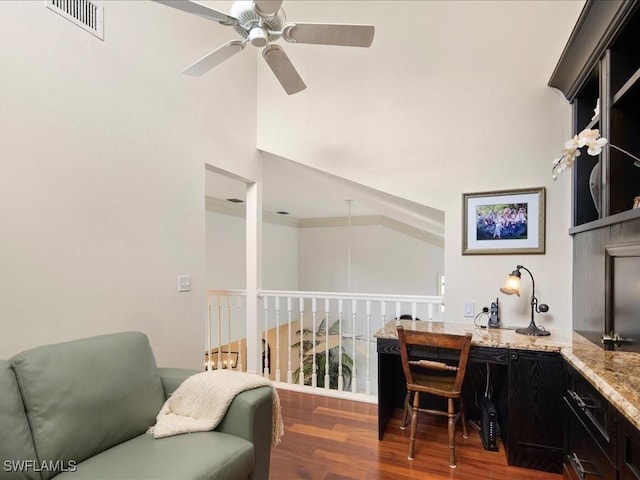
(250, 25)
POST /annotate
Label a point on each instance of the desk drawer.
(584, 459)
(596, 413)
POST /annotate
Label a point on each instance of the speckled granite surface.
(612, 373)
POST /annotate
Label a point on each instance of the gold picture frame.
(504, 222)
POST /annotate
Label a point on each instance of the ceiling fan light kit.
(262, 22)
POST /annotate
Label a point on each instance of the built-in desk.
(529, 378)
(527, 375)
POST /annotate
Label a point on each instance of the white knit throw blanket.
(201, 401)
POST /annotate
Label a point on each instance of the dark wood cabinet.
(590, 431)
(600, 442)
(534, 437)
(629, 450)
(584, 456)
(600, 68)
(600, 65)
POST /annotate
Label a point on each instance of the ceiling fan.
(262, 22)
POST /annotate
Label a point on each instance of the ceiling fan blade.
(329, 34)
(200, 10)
(267, 8)
(283, 69)
(214, 58)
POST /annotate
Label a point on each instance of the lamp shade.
(512, 284)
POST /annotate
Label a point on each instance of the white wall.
(226, 258)
(104, 143)
(315, 259)
(452, 97)
(102, 184)
(382, 261)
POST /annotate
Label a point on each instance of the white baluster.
(266, 343)
(397, 313)
(239, 365)
(430, 311)
(340, 377)
(289, 372)
(277, 339)
(383, 313)
(368, 381)
(327, 378)
(208, 365)
(219, 366)
(228, 361)
(354, 315)
(414, 314)
(301, 326)
(314, 368)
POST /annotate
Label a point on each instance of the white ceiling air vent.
(83, 13)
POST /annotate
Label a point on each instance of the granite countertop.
(609, 372)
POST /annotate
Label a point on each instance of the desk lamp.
(512, 286)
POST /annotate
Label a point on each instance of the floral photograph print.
(503, 222)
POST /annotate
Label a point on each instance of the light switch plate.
(468, 309)
(184, 283)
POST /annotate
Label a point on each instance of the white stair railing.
(329, 348)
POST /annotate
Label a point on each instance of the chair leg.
(414, 424)
(452, 434)
(405, 412)
(465, 433)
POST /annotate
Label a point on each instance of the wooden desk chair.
(436, 378)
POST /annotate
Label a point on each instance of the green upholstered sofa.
(81, 410)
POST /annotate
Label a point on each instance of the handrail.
(352, 296)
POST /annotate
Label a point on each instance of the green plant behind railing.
(337, 353)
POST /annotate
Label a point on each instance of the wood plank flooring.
(332, 439)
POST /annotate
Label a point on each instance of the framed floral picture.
(503, 222)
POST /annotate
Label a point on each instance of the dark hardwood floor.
(331, 439)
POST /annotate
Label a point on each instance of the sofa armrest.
(249, 416)
(172, 378)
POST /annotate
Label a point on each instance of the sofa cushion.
(16, 448)
(202, 456)
(85, 396)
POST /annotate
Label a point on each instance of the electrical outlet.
(184, 283)
(468, 309)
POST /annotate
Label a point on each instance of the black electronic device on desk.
(494, 318)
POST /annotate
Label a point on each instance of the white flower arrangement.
(587, 137)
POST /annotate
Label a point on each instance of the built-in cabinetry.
(600, 70)
(527, 389)
(590, 431)
(533, 433)
(629, 450)
(599, 440)
(601, 66)
(599, 73)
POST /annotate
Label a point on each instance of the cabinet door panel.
(536, 384)
(629, 462)
(584, 460)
